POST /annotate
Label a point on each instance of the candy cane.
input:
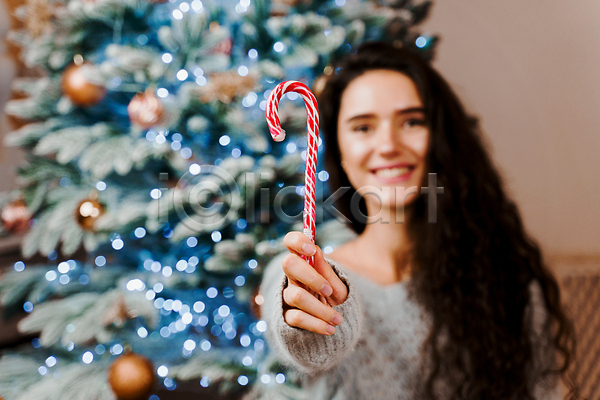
(278, 134)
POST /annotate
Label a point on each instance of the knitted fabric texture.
(375, 353)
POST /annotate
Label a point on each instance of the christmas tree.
(154, 190)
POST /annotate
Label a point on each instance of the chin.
(381, 211)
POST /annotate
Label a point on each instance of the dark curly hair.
(472, 269)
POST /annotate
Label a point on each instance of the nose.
(389, 140)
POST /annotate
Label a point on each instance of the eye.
(363, 128)
(412, 122)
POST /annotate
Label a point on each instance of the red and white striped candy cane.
(278, 134)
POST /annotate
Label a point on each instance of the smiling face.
(383, 138)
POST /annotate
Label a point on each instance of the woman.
(442, 294)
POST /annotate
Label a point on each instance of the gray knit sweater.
(375, 353)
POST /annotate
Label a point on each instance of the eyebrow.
(399, 112)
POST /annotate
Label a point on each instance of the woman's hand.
(311, 291)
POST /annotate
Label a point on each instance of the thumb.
(340, 290)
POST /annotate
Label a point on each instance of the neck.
(387, 239)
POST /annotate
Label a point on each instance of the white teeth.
(392, 172)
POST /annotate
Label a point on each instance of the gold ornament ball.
(319, 85)
(131, 377)
(214, 26)
(88, 211)
(78, 88)
(145, 110)
(16, 216)
(256, 300)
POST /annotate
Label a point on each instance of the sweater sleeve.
(308, 351)
(547, 387)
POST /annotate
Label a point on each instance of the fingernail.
(330, 329)
(326, 290)
(337, 319)
(309, 249)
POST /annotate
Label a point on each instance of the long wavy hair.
(473, 268)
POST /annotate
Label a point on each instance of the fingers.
(324, 269)
(298, 297)
(302, 320)
(299, 243)
(298, 270)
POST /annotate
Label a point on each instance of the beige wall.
(531, 71)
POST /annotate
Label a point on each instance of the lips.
(393, 173)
